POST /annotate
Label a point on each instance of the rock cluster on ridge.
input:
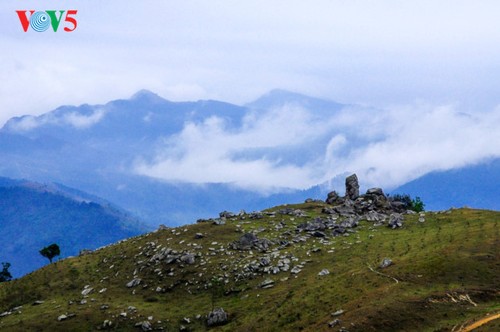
(373, 206)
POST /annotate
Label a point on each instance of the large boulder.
(332, 197)
(217, 317)
(245, 242)
(352, 187)
(395, 220)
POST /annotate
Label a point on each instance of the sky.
(423, 61)
(377, 53)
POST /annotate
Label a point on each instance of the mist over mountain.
(174, 162)
(34, 215)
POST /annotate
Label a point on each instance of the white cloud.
(75, 119)
(83, 121)
(380, 52)
(384, 147)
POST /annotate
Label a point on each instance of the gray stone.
(338, 313)
(268, 283)
(375, 191)
(324, 272)
(256, 215)
(375, 216)
(332, 197)
(352, 187)
(84, 252)
(87, 290)
(188, 259)
(246, 241)
(334, 323)
(62, 317)
(386, 263)
(144, 325)
(395, 220)
(217, 317)
(227, 214)
(134, 282)
(107, 323)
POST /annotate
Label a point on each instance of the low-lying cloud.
(74, 119)
(292, 147)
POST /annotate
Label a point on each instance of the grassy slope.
(450, 255)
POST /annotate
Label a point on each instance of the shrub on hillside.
(415, 204)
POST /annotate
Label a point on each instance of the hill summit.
(359, 262)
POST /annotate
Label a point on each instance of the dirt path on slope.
(479, 323)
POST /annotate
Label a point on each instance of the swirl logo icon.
(40, 21)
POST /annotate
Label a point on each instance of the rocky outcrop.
(352, 187)
(373, 206)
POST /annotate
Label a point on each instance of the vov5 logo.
(40, 21)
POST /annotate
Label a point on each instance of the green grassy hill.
(445, 273)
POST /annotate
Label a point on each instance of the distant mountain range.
(33, 215)
(167, 162)
(473, 186)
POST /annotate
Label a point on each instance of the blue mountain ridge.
(93, 148)
(34, 215)
(476, 186)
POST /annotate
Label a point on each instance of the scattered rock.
(386, 263)
(84, 252)
(217, 317)
(188, 259)
(324, 272)
(256, 215)
(334, 323)
(268, 283)
(338, 313)
(107, 323)
(38, 302)
(65, 316)
(249, 241)
(395, 220)
(332, 198)
(227, 214)
(375, 191)
(199, 236)
(246, 241)
(134, 282)
(144, 325)
(62, 317)
(87, 290)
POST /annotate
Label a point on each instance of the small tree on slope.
(50, 251)
(5, 274)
